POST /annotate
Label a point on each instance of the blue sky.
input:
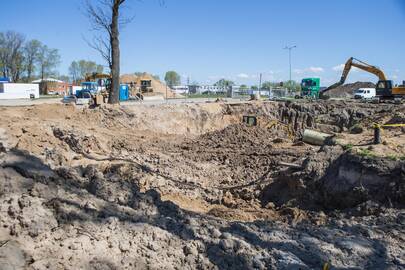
(236, 39)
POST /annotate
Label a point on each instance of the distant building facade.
(50, 86)
(202, 89)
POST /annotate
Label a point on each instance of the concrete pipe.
(318, 138)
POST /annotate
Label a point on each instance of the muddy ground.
(192, 187)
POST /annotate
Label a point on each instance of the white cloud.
(316, 69)
(394, 77)
(342, 66)
(243, 76)
(298, 71)
(215, 77)
(309, 70)
(339, 67)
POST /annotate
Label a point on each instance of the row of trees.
(24, 60)
(79, 69)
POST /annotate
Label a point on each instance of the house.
(51, 86)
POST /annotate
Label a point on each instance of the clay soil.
(192, 187)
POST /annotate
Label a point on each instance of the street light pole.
(289, 48)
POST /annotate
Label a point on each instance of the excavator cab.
(384, 88)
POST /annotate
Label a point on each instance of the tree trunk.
(29, 70)
(115, 51)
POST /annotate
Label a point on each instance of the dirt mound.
(157, 85)
(347, 90)
(242, 135)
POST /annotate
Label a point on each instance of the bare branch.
(102, 46)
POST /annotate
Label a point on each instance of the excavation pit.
(197, 187)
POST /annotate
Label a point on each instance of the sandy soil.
(190, 186)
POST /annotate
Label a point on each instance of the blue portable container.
(124, 92)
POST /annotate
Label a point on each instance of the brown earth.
(347, 90)
(190, 186)
(159, 88)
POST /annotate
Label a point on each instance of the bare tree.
(48, 60)
(106, 19)
(11, 54)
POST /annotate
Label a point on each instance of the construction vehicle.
(364, 93)
(97, 87)
(310, 88)
(385, 89)
(146, 86)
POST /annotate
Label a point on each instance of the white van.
(364, 93)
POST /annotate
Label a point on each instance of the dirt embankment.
(347, 90)
(118, 187)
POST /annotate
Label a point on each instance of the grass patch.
(366, 153)
(393, 157)
(347, 147)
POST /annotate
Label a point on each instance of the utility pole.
(260, 83)
(289, 48)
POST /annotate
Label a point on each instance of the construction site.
(104, 167)
(194, 186)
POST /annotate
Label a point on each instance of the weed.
(366, 153)
(392, 157)
(348, 147)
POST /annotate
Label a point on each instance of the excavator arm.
(353, 62)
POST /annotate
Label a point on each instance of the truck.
(365, 93)
(19, 91)
(310, 88)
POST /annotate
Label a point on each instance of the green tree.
(243, 87)
(292, 85)
(268, 85)
(79, 69)
(224, 83)
(172, 78)
(31, 57)
(48, 60)
(74, 71)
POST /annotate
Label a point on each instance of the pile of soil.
(347, 90)
(158, 86)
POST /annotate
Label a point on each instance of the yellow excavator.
(385, 89)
